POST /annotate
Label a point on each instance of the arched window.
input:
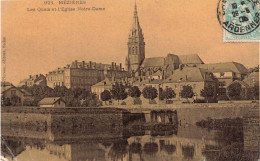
(133, 51)
(129, 50)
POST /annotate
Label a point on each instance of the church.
(162, 67)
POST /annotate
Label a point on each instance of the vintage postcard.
(131, 80)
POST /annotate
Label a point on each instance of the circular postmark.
(239, 17)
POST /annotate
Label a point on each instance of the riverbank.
(186, 113)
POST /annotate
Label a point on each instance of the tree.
(168, 93)
(118, 92)
(187, 92)
(134, 92)
(91, 100)
(5, 101)
(234, 91)
(254, 92)
(207, 92)
(150, 93)
(105, 96)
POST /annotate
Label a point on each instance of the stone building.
(226, 73)
(52, 102)
(136, 46)
(83, 75)
(9, 91)
(163, 67)
(33, 80)
(106, 84)
(197, 78)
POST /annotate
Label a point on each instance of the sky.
(39, 42)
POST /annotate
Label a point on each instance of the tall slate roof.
(189, 74)
(171, 58)
(190, 59)
(225, 67)
(153, 62)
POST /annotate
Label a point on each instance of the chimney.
(120, 65)
(90, 64)
(30, 76)
(37, 75)
(76, 63)
(112, 67)
(115, 66)
(83, 64)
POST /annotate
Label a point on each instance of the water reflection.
(190, 143)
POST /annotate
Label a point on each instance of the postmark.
(239, 19)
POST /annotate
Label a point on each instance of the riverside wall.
(117, 116)
(192, 113)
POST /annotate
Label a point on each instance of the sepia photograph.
(131, 80)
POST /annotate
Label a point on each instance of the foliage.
(222, 97)
(134, 92)
(254, 93)
(73, 97)
(105, 95)
(234, 90)
(91, 100)
(168, 93)
(5, 101)
(199, 101)
(118, 92)
(207, 92)
(150, 92)
(186, 92)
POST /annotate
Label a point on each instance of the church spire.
(136, 45)
(136, 28)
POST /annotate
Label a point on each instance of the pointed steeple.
(136, 28)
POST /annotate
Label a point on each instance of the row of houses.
(219, 75)
(20, 96)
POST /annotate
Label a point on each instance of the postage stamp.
(240, 20)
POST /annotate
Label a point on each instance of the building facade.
(9, 91)
(33, 80)
(83, 75)
(226, 73)
(197, 78)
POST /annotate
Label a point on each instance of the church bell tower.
(136, 45)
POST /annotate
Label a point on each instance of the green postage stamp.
(240, 20)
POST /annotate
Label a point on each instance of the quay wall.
(90, 118)
(117, 116)
(192, 113)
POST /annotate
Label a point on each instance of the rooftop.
(225, 67)
(189, 74)
(49, 100)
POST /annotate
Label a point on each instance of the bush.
(199, 101)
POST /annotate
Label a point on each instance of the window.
(13, 92)
(222, 83)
